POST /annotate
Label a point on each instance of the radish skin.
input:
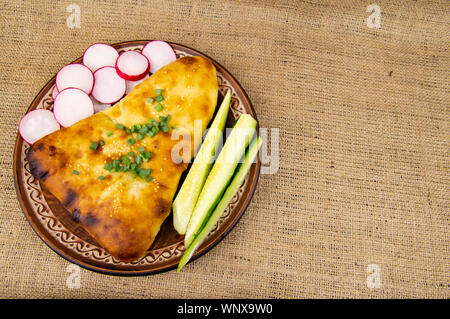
(159, 54)
(75, 75)
(99, 55)
(37, 124)
(109, 86)
(72, 105)
(132, 66)
(55, 92)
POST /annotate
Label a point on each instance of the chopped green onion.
(158, 107)
(101, 178)
(153, 122)
(131, 154)
(116, 164)
(148, 178)
(75, 172)
(131, 141)
(143, 130)
(109, 133)
(93, 146)
(141, 149)
(158, 91)
(140, 136)
(137, 160)
(125, 159)
(121, 126)
(147, 155)
(144, 172)
(159, 98)
(108, 166)
(101, 142)
(149, 100)
(128, 131)
(165, 128)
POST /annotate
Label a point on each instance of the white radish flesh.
(159, 53)
(72, 105)
(99, 106)
(99, 55)
(55, 92)
(75, 76)
(109, 86)
(132, 66)
(37, 124)
(132, 84)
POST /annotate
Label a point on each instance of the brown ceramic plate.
(54, 226)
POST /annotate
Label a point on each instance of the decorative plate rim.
(48, 240)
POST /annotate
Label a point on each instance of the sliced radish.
(109, 86)
(55, 92)
(99, 106)
(72, 105)
(37, 124)
(132, 66)
(132, 84)
(99, 55)
(75, 76)
(159, 53)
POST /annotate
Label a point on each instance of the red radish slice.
(75, 76)
(55, 92)
(159, 53)
(37, 124)
(109, 86)
(132, 84)
(99, 106)
(72, 105)
(132, 66)
(99, 55)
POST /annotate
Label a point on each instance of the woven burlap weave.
(363, 116)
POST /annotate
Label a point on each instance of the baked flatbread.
(122, 211)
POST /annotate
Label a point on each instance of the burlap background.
(364, 144)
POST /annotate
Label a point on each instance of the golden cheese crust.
(123, 213)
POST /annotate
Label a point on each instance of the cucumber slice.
(184, 203)
(220, 174)
(232, 189)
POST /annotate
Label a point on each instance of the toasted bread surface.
(122, 212)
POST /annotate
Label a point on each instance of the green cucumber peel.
(221, 173)
(185, 201)
(231, 190)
